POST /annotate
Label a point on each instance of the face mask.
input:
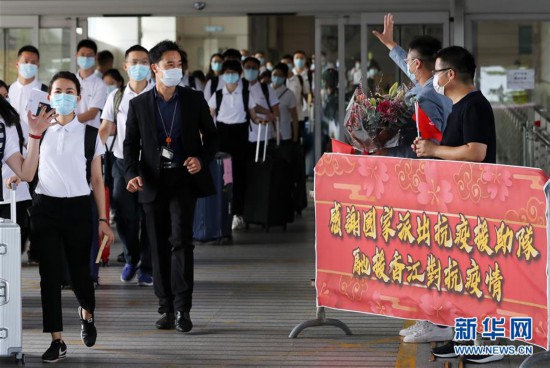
(411, 74)
(357, 65)
(251, 74)
(262, 61)
(439, 89)
(85, 62)
(172, 77)
(63, 103)
(277, 81)
(111, 88)
(243, 58)
(216, 66)
(138, 72)
(270, 67)
(290, 66)
(230, 78)
(300, 63)
(28, 71)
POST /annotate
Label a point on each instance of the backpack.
(117, 100)
(246, 99)
(90, 138)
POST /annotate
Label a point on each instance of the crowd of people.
(157, 135)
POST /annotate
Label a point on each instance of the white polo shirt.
(19, 96)
(259, 97)
(93, 93)
(287, 101)
(293, 83)
(62, 165)
(109, 114)
(232, 109)
(221, 84)
(22, 192)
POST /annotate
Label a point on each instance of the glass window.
(55, 52)
(12, 40)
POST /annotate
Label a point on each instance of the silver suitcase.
(11, 329)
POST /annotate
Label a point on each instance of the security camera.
(199, 5)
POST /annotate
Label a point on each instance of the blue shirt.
(168, 114)
(436, 106)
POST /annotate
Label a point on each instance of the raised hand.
(386, 37)
(39, 123)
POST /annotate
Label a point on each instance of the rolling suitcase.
(11, 328)
(268, 198)
(213, 214)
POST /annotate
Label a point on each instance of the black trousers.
(169, 221)
(234, 140)
(62, 225)
(22, 218)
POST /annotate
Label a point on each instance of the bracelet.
(34, 136)
(103, 220)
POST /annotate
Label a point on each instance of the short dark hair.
(184, 59)
(104, 57)
(266, 74)
(28, 48)
(89, 44)
(282, 67)
(155, 54)
(299, 52)
(287, 56)
(65, 75)
(3, 84)
(251, 59)
(232, 54)
(135, 48)
(115, 74)
(426, 47)
(232, 65)
(460, 60)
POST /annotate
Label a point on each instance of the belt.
(170, 165)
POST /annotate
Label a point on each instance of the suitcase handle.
(13, 203)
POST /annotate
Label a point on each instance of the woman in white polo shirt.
(61, 214)
(232, 121)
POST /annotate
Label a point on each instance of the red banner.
(432, 240)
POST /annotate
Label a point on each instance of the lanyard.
(168, 134)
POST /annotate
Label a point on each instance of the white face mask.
(439, 89)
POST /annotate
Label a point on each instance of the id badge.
(167, 153)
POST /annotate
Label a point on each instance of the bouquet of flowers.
(372, 121)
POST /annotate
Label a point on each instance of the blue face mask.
(262, 61)
(172, 77)
(28, 70)
(138, 72)
(85, 62)
(277, 81)
(63, 103)
(216, 66)
(111, 88)
(290, 66)
(410, 74)
(230, 78)
(269, 67)
(300, 63)
(251, 74)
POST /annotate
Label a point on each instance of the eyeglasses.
(437, 71)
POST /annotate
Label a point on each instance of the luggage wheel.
(20, 358)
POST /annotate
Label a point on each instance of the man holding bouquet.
(417, 64)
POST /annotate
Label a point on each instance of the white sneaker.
(238, 223)
(411, 329)
(430, 333)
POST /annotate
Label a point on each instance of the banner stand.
(321, 320)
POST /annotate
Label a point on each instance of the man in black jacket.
(172, 128)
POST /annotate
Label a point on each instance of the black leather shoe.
(88, 332)
(165, 322)
(183, 322)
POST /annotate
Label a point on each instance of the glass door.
(348, 52)
(15, 32)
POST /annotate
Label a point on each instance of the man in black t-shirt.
(470, 132)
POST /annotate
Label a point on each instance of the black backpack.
(246, 99)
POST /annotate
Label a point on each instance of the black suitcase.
(268, 198)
